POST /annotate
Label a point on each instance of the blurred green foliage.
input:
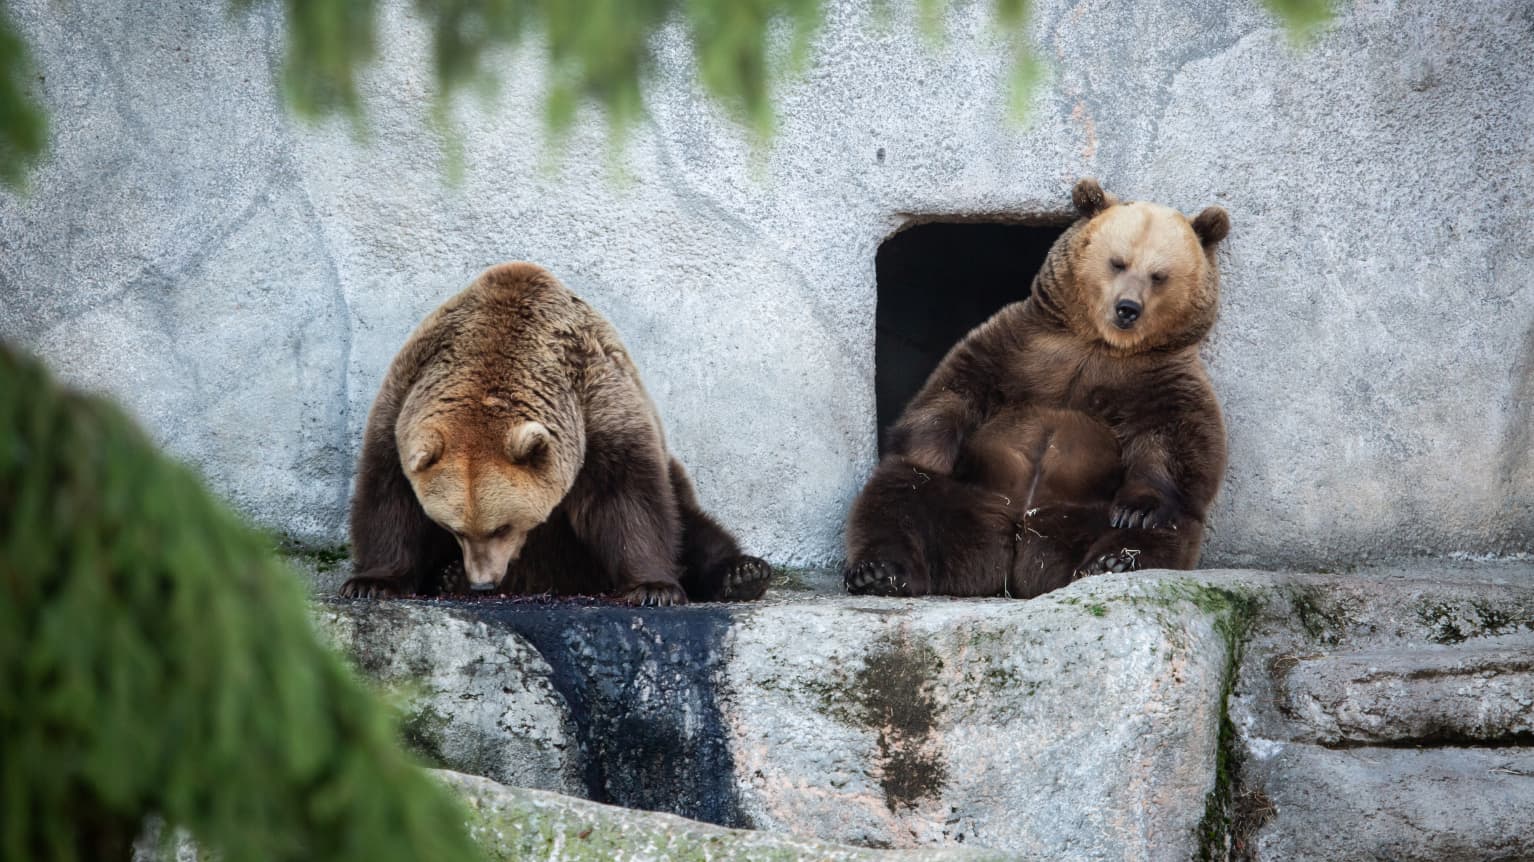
(155, 659)
(22, 127)
(1302, 18)
(598, 50)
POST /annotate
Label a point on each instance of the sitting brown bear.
(512, 428)
(1073, 433)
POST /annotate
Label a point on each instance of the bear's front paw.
(1140, 513)
(1122, 560)
(876, 578)
(363, 587)
(654, 596)
(452, 579)
(746, 578)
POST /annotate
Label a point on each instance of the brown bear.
(1073, 433)
(512, 429)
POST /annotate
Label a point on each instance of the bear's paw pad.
(746, 578)
(654, 596)
(1113, 562)
(875, 578)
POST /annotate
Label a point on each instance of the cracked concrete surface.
(241, 280)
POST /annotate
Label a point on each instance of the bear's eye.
(1158, 277)
(501, 531)
(1118, 265)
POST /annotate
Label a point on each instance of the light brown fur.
(514, 425)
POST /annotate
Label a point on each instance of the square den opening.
(936, 282)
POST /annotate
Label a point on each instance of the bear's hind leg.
(885, 556)
(1130, 550)
(713, 568)
(1050, 541)
(912, 533)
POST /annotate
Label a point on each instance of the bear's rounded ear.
(422, 450)
(1089, 197)
(1211, 225)
(526, 441)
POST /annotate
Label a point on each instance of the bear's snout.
(485, 560)
(1126, 312)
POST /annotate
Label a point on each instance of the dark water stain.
(894, 694)
(642, 688)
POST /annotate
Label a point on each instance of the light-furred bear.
(1073, 433)
(512, 429)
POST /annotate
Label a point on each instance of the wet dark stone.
(642, 688)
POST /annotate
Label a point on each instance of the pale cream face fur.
(1145, 253)
(489, 497)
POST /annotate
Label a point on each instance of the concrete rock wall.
(242, 281)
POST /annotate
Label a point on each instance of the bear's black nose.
(482, 588)
(1128, 312)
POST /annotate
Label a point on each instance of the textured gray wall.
(241, 281)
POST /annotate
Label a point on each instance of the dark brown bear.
(512, 429)
(1073, 433)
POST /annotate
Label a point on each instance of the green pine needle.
(1302, 18)
(155, 659)
(599, 51)
(23, 128)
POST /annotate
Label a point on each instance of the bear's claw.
(370, 588)
(654, 596)
(1122, 560)
(1141, 513)
(875, 578)
(746, 579)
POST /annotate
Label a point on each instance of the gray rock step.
(1084, 724)
(1384, 715)
(514, 825)
(1425, 604)
(1476, 692)
(1434, 805)
(1097, 722)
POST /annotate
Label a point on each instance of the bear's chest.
(1105, 388)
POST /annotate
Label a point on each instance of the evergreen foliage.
(598, 50)
(155, 658)
(23, 130)
(1302, 17)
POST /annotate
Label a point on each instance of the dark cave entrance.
(936, 282)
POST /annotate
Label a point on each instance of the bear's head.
(1143, 275)
(488, 481)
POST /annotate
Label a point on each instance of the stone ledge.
(1084, 723)
(515, 824)
(1468, 694)
(1134, 716)
(1381, 715)
(1432, 805)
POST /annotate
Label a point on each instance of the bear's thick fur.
(1071, 434)
(513, 429)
